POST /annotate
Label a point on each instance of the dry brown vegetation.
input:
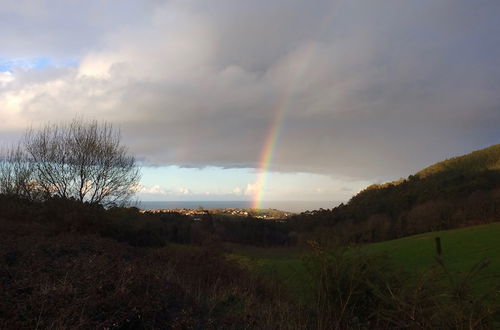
(62, 280)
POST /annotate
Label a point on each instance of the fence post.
(438, 245)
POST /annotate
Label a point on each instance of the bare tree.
(80, 160)
(16, 174)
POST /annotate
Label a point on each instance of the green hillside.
(461, 249)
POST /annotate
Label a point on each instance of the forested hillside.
(456, 192)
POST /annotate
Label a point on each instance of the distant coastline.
(291, 206)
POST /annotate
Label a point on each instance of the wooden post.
(438, 245)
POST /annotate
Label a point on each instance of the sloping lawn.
(461, 250)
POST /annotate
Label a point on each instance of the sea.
(289, 206)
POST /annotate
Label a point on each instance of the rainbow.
(268, 151)
(280, 111)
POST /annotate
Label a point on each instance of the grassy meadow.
(462, 249)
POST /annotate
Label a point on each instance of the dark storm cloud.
(373, 89)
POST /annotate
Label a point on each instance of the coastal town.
(196, 214)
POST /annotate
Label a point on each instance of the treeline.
(128, 224)
(457, 192)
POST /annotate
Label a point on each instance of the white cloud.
(184, 191)
(252, 189)
(156, 190)
(370, 89)
(96, 66)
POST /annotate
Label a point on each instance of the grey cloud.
(374, 89)
(65, 29)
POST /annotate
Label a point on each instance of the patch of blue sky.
(40, 62)
(216, 183)
(208, 179)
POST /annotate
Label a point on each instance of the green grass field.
(461, 250)
(284, 265)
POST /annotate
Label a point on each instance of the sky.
(259, 100)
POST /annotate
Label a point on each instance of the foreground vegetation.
(65, 264)
(58, 270)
